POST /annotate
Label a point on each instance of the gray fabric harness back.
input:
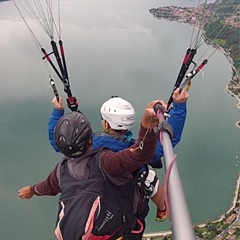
(92, 207)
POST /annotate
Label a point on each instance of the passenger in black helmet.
(85, 176)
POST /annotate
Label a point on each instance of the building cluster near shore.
(180, 14)
(226, 227)
(192, 15)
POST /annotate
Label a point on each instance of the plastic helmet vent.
(72, 134)
(119, 113)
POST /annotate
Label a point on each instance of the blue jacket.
(176, 120)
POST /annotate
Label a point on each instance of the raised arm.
(178, 114)
(176, 120)
(57, 113)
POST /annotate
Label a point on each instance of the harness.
(95, 206)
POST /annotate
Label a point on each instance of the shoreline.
(238, 103)
(234, 95)
(147, 236)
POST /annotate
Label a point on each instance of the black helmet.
(72, 134)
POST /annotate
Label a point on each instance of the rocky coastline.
(228, 87)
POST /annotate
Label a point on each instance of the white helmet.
(119, 113)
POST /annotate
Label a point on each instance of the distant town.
(221, 18)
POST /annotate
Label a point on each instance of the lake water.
(112, 48)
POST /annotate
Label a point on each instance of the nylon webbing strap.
(188, 59)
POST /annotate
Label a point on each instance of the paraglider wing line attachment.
(67, 87)
(52, 83)
(72, 103)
